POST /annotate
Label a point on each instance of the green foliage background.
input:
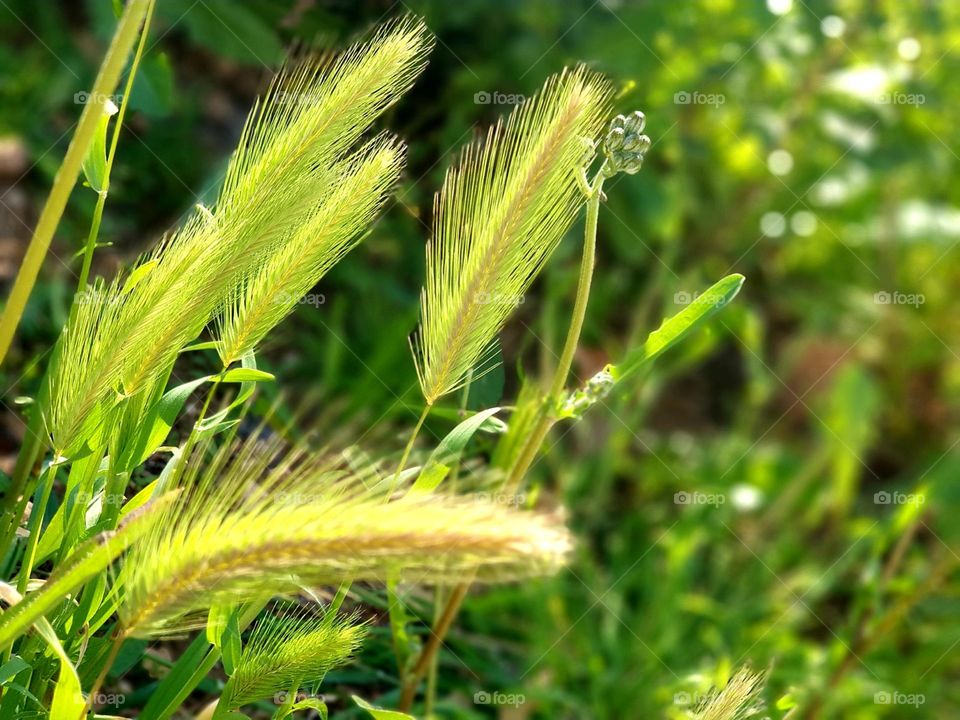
(807, 398)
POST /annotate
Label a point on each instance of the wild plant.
(236, 518)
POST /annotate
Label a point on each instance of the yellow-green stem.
(66, 176)
(36, 521)
(546, 417)
(195, 430)
(408, 449)
(118, 638)
(111, 153)
(409, 686)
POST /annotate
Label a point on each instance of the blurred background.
(781, 491)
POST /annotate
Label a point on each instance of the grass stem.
(545, 420)
(118, 638)
(437, 635)
(66, 177)
(535, 440)
(36, 522)
(111, 153)
(409, 448)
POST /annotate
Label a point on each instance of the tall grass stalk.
(624, 150)
(63, 182)
(102, 192)
(547, 415)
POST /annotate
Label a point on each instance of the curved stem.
(409, 448)
(118, 638)
(66, 177)
(195, 430)
(535, 440)
(92, 239)
(111, 153)
(36, 521)
(545, 420)
(437, 635)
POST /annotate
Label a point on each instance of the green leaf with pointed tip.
(676, 328)
(223, 632)
(449, 449)
(156, 425)
(68, 701)
(380, 713)
(137, 275)
(243, 374)
(786, 702)
(205, 345)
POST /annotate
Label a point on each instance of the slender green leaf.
(95, 163)
(449, 449)
(242, 374)
(68, 700)
(380, 713)
(677, 327)
(13, 666)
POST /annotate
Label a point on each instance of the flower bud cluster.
(625, 145)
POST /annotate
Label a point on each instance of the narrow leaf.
(449, 450)
(241, 374)
(86, 562)
(677, 327)
(380, 713)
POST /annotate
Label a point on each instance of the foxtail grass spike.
(259, 522)
(287, 651)
(357, 194)
(501, 212)
(292, 152)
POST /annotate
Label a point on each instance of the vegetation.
(239, 491)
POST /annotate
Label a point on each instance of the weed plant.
(246, 519)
